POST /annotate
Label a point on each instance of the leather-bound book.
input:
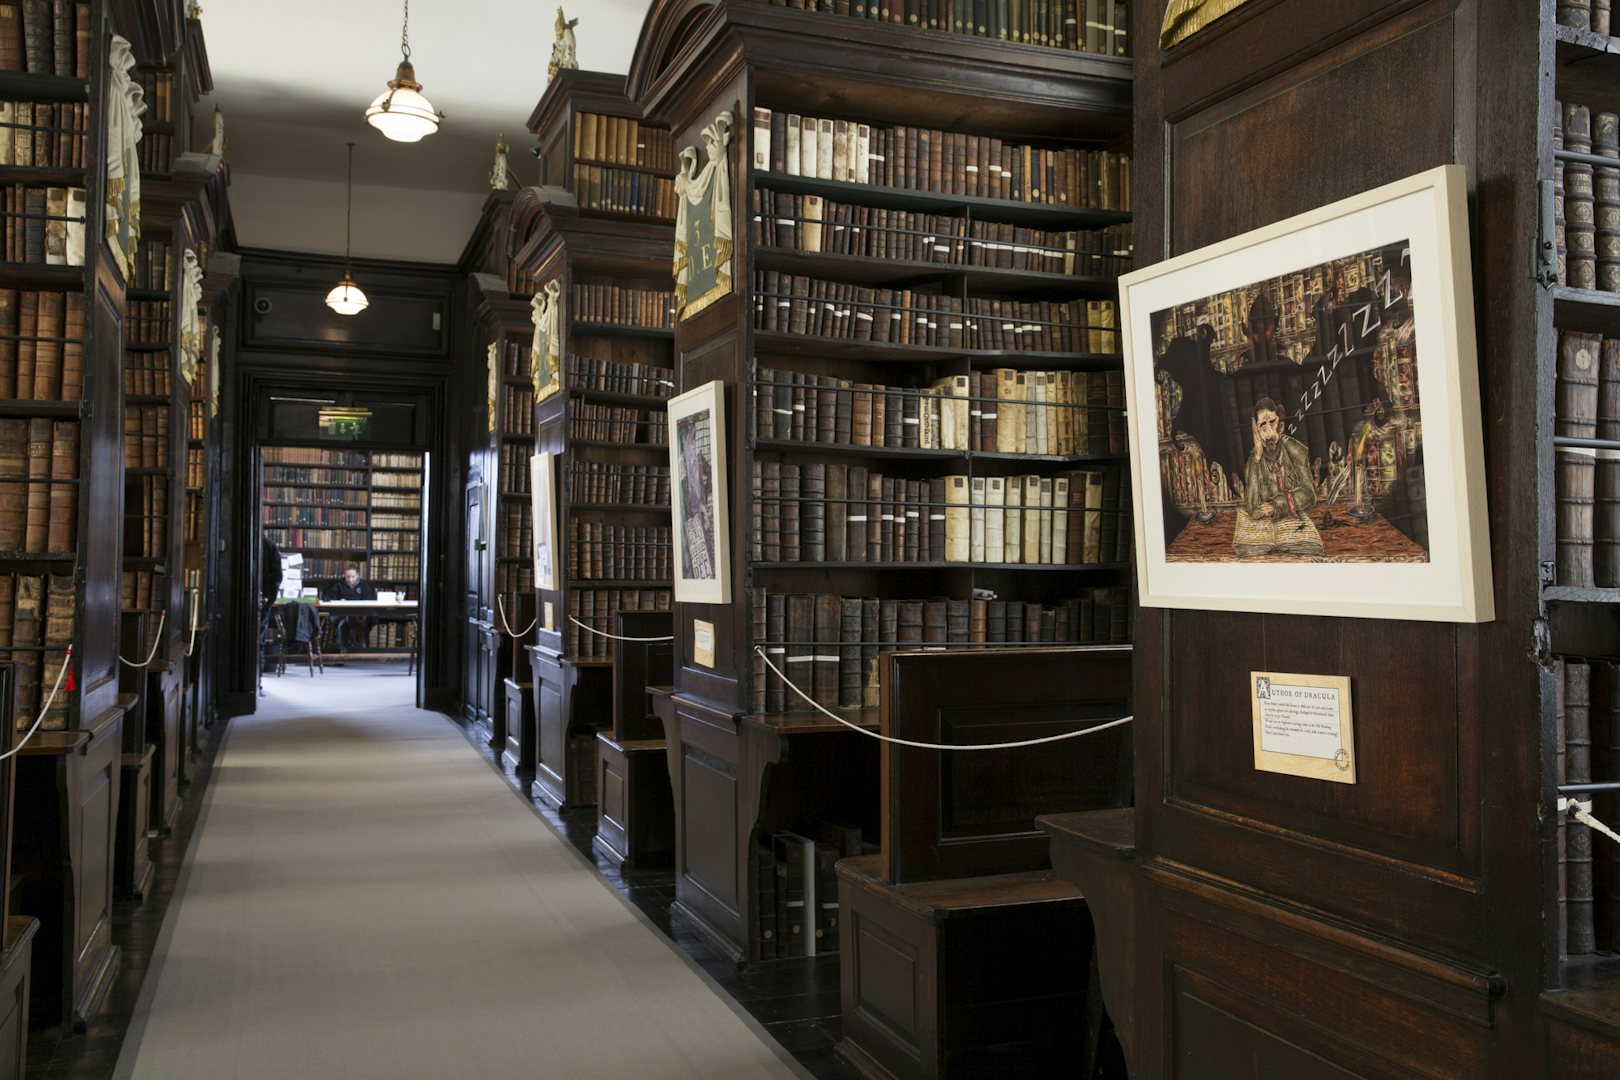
(1606, 200)
(34, 203)
(775, 636)
(1578, 837)
(1606, 483)
(851, 673)
(827, 631)
(860, 426)
(813, 512)
(835, 515)
(790, 524)
(64, 490)
(81, 44)
(27, 626)
(977, 497)
(827, 397)
(935, 628)
(1601, 12)
(856, 514)
(27, 345)
(38, 49)
(48, 353)
(8, 343)
(1580, 225)
(13, 484)
(59, 607)
(958, 519)
(1575, 482)
(871, 615)
(843, 411)
(37, 526)
(877, 514)
(799, 663)
(1577, 381)
(11, 38)
(62, 44)
(1576, 13)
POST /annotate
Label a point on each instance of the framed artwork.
(703, 240)
(543, 501)
(1303, 404)
(697, 466)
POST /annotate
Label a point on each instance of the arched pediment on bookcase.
(671, 29)
(530, 234)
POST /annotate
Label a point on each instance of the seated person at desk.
(351, 629)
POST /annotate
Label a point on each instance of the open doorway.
(344, 529)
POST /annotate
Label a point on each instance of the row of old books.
(147, 322)
(829, 512)
(395, 567)
(827, 645)
(197, 417)
(153, 266)
(623, 305)
(517, 410)
(1093, 26)
(37, 614)
(397, 521)
(306, 455)
(1593, 15)
(622, 140)
(620, 377)
(390, 635)
(1586, 483)
(41, 345)
(403, 479)
(197, 467)
(397, 500)
(297, 488)
(517, 363)
(598, 551)
(158, 90)
(46, 37)
(43, 226)
(1586, 199)
(396, 461)
(321, 567)
(44, 136)
(297, 538)
(39, 489)
(609, 482)
(597, 609)
(816, 224)
(997, 411)
(154, 152)
(1587, 710)
(795, 910)
(146, 436)
(616, 423)
(196, 515)
(146, 374)
(517, 539)
(943, 162)
(624, 191)
(313, 515)
(514, 472)
(141, 590)
(514, 579)
(394, 541)
(146, 533)
(795, 304)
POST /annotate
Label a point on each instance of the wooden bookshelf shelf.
(65, 410)
(24, 86)
(777, 343)
(1035, 215)
(39, 276)
(607, 329)
(620, 508)
(36, 174)
(608, 444)
(1586, 309)
(609, 397)
(887, 565)
(790, 446)
(1588, 67)
(865, 270)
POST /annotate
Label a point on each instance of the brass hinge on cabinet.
(1546, 269)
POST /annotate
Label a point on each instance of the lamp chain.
(348, 215)
(405, 32)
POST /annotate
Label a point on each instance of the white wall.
(389, 222)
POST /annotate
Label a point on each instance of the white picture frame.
(543, 501)
(1365, 345)
(697, 468)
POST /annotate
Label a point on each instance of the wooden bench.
(958, 943)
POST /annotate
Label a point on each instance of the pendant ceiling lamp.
(401, 112)
(346, 297)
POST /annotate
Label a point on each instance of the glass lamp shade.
(401, 112)
(346, 298)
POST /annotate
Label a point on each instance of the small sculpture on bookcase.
(217, 147)
(494, 362)
(191, 334)
(546, 313)
(703, 237)
(500, 179)
(126, 104)
(1184, 18)
(563, 50)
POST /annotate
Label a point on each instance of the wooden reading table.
(389, 610)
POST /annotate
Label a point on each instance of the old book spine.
(1606, 200)
(48, 353)
(39, 489)
(1578, 837)
(835, 517)
(1577, 399)
(813, 512)
(1580, 226)
(775, 635)
(64, 490)
(1601, 11)
(13, 484)
(28, 624)
(851, 676)
(37, 42)
(11, 39)
(1576, 13)
(1606, 484)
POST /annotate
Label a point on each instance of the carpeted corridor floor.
(366, 898)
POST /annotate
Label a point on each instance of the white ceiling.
(293, 77)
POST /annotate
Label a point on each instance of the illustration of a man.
(1277, 492)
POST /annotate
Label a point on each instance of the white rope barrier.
(500, 606)
(67, 662)
(616, 637)
(157, 640)
(196, 610)
(1578, 810)
(935, 746)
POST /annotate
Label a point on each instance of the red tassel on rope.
(71, 684)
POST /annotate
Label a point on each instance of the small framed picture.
(697, 466)
(543, 498)
(1303, 408)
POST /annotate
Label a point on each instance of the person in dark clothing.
(269, 571)
(351, 629)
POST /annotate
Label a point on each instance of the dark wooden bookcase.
(741, 774)
(596, 233)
